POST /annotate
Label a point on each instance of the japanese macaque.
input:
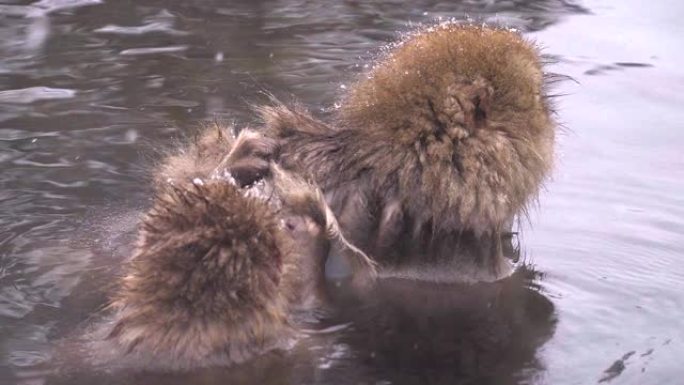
(221, 263)
(433, 152)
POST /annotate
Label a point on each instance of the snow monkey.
(432, 153)
(221, 262)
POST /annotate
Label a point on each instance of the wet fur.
(196, 158)
(442, 143)
(432, 155)
(203, 287)
(215, 276)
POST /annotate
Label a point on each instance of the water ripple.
(34, 94)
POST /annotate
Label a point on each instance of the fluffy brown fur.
(442, 143)
(204, 285)
(218, 269)
(195, 159)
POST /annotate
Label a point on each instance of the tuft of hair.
(465, 107)
(204, 285)
(305, 198)
(283, 121)
(197, 159)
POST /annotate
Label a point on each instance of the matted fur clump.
(463, 108)
(203, 287)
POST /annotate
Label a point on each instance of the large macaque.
(433, 152)
(221, 263)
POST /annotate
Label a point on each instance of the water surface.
(89, 89)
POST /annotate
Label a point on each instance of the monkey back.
(203, 285)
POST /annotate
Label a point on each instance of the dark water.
(89, 88)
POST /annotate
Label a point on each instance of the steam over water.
(89, 90)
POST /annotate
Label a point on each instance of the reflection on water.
(401, 332)
(90, 88)
(414, 333)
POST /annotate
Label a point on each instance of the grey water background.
(89, 88)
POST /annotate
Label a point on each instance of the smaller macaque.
(222, 263)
